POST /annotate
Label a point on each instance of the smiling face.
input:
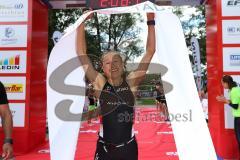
(112, 65)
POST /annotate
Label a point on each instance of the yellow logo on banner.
(14, 88)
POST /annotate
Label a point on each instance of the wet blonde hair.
(114, 53)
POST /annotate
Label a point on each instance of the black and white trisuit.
(116, 138)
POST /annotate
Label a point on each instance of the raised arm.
(138, 75)
(91, 73)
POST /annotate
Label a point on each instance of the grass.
(146, 101)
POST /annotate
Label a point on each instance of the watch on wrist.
(151, 22)
(8, 140)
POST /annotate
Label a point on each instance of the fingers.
(218, 98)
(221, 96)
(221, 99)
(3, 154)
(7, 151)
(7, 155)
(86, 10)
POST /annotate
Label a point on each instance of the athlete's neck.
(115, 82)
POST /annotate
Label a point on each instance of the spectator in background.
(92, 102)
(7, 124)
(204, 100)
(234, 103)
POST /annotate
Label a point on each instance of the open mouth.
(114, 70)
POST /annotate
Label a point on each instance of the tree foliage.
(60, 19)
(117, 32)
(194, 26)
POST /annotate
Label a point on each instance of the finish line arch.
(31, 132)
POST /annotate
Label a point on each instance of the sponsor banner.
(13, 10)
(18, 113)
(13, 61)
(13, 35)
(231, 59)
(230, 7)
(197, 61)
(229, 119)
(15, 87)
(231, 31)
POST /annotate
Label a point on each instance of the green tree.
(60, 19)
(117, 32)
(194, 26)
(103, 32)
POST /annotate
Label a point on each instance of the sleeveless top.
(117, 112)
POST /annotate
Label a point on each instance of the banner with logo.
(192, 138)
(197, 61)
(231, 59)
(231, 31)
(13, 10)
(15, 87)
(13, 35)
(230, 8)
(13, 61)
(18, 114)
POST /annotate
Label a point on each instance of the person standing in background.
(203, 95)
(7, 124)
(234, 102)
(92, 103)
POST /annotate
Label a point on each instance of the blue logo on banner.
(9, 32)
(18, 6)
(234, 57)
